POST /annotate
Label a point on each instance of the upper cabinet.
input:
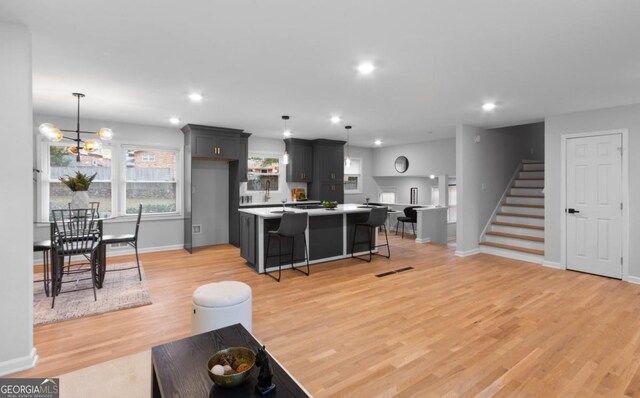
(222, 145)
(330, 164)
(300, 166)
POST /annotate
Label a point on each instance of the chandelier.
(52, 133)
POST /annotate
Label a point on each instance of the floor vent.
(397, 271)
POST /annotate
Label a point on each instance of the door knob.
(573, 211)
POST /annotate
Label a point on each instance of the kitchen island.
(329, 235)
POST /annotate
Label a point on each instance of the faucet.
(268, 190)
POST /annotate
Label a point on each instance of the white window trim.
(359, 188)
(281, 175)
(118, 173)
(122, 181)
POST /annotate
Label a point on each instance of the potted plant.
(79, 185)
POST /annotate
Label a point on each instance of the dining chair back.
(129, 239)
(74, 233)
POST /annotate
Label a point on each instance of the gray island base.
(329, 236)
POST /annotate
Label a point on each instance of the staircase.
(517, 228)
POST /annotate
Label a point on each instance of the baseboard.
(19, 364)
(633, 279)
(423, 240)
(552, 264)
(451, 238)
(465, 253)
(123, 251)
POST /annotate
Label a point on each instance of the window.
(125, 176)
(263, 173)
(387, 197)
(62, 163)
(151, 180)
(353, 177)
(451, 211)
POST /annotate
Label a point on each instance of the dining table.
(57, 259)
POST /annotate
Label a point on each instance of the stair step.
(516, 248)
(526, 196)
(515, 225)
(516, 236)
(520, 215)
(522, 205)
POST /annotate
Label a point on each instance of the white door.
(594, 204)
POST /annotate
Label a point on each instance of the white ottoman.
(221, 304)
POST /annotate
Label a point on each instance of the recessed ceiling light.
(195, 97)
(335, 119)
(286, 133)
(378, 142)
(432, 176)
(174, 120)
(488, 106)
(366, 68)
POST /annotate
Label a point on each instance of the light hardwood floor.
(475, 326)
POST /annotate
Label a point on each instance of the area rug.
(120, 290)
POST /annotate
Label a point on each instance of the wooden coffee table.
(179, 368)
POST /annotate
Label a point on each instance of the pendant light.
(52, 133)
(286, 133)
(347, 159)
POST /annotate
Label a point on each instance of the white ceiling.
(257, 60)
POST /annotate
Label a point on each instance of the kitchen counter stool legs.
(291, 225)
(377, 218)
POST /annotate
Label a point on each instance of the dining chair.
(44, 246)
(410, 216)
(130, 239)
(95, 208)
(74, 234)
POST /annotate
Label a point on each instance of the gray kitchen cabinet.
(216, 144)
(328, 171)
(300, 167)
(248, 237)
(222, 145)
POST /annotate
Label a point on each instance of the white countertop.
(341, 209)
(288, 203)
(432, 208)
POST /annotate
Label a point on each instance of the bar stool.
(291, 225)
(44, 246)
(377, 218)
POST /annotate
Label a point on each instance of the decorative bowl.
(242, 355)
(330, 205)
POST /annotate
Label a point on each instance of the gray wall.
(210, 201)
(404, 185)
(16, 235)
(155, 234)
(597, 120)
(369, 186)
(484, 170)
(430, 157)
